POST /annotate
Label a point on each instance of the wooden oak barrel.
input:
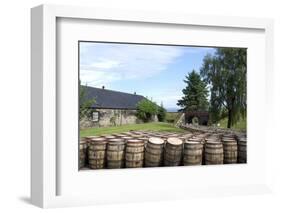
(192, 153)
(230, 150)
(242, 150)
(115, 153)
(228, 136)
(162, 136)
(134, 154)
(173, 152)
(201, 136)
(83, 146)
(89, 138)
(97, 153)
(126, 133)
(213, 152)
(144, 139)
(108, 137)
(136, 132)
(174, 135)
(119, 135)
(213, 137)
(136, 136)
(202, 141)
(210, 138)
(126, 138)
(182, 138)
(154, 152)
(187, 136)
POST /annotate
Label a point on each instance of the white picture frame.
(47, 178)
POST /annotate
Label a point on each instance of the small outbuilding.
(202, 117)
(111, 108)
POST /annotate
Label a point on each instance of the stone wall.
(117, 117)
(111, 117)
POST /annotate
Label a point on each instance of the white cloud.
(97, 78)
(101, 64)
(105, 64)
(169, 97)
(169, 101)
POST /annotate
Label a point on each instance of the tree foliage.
(146, 109)
(194, 94)
(161, 114)
(225, 72)
(85, 109)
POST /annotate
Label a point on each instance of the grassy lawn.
(171, 117)
(240, 125)
(158, 126)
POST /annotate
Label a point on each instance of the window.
(95, 116)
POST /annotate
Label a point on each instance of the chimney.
(102, 87)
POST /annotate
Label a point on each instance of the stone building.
(111, 108)
(202, 116)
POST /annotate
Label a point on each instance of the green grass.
(157, 126)
(240, 125)
(171, 117)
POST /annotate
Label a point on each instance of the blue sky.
(154, 71)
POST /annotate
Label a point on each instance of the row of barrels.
(142, 149)
(210, 129)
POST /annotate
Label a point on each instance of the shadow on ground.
(25, 199)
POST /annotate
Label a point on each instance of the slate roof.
(109, 99)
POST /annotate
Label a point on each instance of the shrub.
(85, 110)
(171, 117)
(161, 115)
(146, 109)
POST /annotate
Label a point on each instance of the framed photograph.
(129, 106)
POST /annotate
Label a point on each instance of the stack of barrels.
(135, 149)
